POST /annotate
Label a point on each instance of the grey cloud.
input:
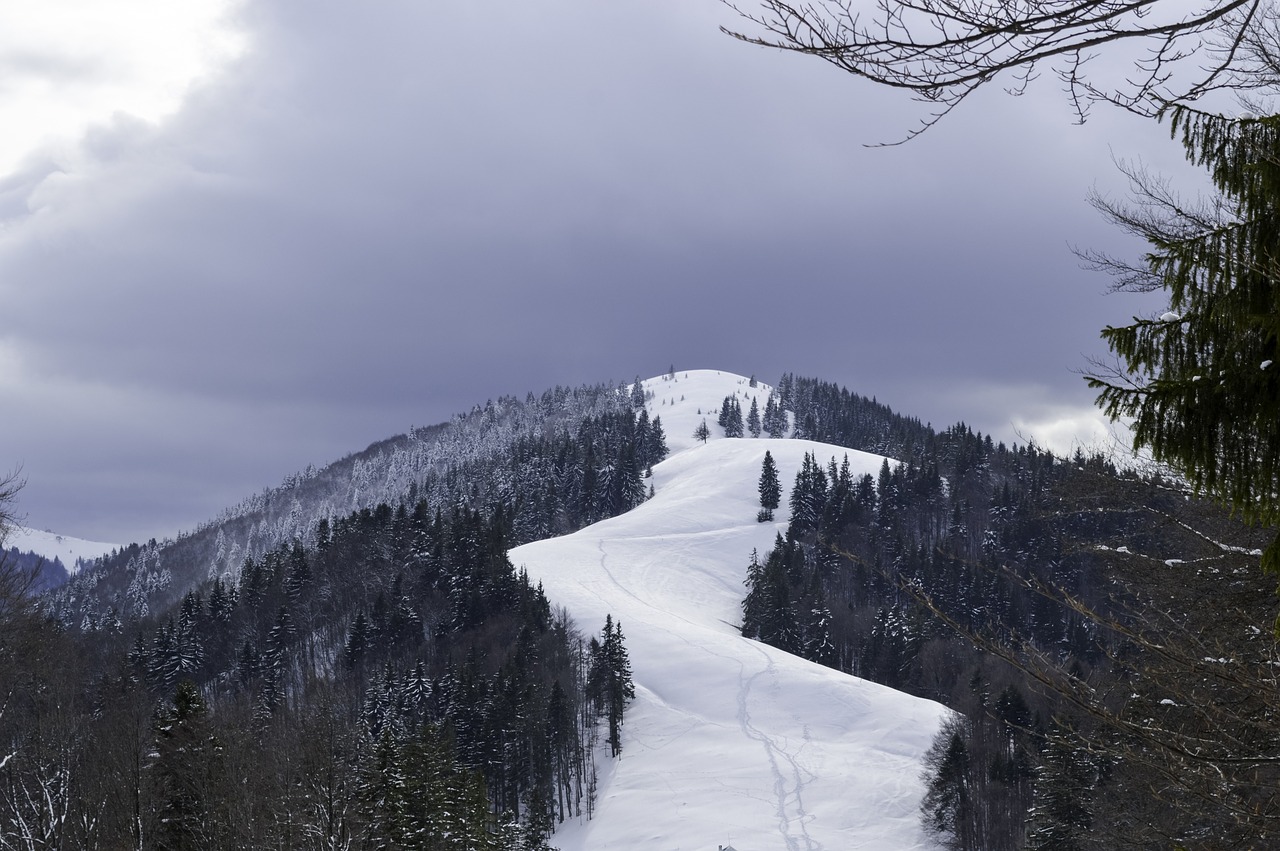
(387, 213)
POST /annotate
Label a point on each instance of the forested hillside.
(1105, 636)
(550, 463)
(45, 573)
(380, 678)
(292, 675)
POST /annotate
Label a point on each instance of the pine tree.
(733, 418)
(637, 394)
(358, 641)
(187, 775)
(723, 419)
(768, 613)
(770, 489)
(1201, 383)
(753, 419)
(657, 442)
(609, 679)
(753, 602)
(947, 801)
(818, 644)
(384, 794)
(221, 602)
(299, 571)
(774, 421)
(809, 494)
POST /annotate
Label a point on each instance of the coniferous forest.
(383, 679)
(1059, 607)
(397, 685)
(351, 661)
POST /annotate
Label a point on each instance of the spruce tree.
(1201, 382)
(770, 489)
(947, 801)
(753, 419)
(809, 494)
(609, 679)
(774, 421)
(187, 774)
(657, 443)
(637, 394)
(753, 603)
(733, 422)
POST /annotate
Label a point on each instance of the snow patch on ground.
(66, 549)
(728, 741)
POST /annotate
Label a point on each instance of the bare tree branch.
(941, 51)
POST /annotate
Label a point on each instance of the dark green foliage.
(948, 805)
(768, 613)
(831, 414)
(731, 417)
(1200, 384)
(915, 576)
(808, 495)
(637, 394)
(979, 771)
(774, 421)
(187, 776)
(609, 683)
(413, 795)
(402, 687)
(769, 487)
(754, 426)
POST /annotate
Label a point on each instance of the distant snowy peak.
(684, 399)
(70, 551)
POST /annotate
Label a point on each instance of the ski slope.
(729, 742)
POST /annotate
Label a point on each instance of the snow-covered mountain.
(729, 741)
(50, 545)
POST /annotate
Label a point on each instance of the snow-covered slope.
(728, 741)
(51, 546)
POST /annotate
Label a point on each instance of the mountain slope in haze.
(729, 741)
(68, 550)
(468, 460)
(50, 559)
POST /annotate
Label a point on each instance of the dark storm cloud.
(387, 213)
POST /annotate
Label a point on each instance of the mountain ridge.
(772, 727)
(728, 739)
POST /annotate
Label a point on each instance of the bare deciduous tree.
(941, 51)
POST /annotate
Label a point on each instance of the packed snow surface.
(729, 741)
(50, 545)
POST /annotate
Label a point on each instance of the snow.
(728, 740)
(50, 545)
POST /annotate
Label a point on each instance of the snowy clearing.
(728, 741)
(62, 547)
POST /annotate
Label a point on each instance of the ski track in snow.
(728, 741)
(788, 796)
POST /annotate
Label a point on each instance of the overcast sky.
(260, 235)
